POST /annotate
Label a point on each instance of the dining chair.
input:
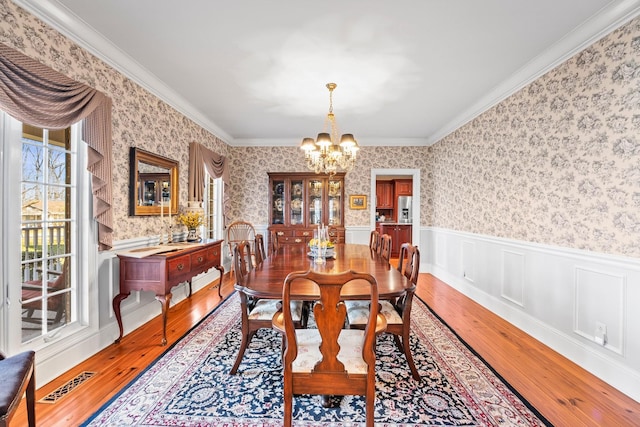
(238, 231)
(396, 312)
(374, 240)
(407, 261)
(17, 376)
(385, 246)
(329, 359)
(257, 313)
(260, 254)
(275, 243)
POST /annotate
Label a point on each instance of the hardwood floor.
(564, 393)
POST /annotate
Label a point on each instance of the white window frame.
(85, 319)
(215, 232)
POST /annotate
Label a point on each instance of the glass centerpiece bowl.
(317, 244)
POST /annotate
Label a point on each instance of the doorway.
(414, 175)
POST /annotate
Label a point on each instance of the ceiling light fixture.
(325, 154)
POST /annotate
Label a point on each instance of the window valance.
(38, 95)
(201, 158)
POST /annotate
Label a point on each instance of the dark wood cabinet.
(404, 187)
(384, 195)
(299, 202)
(400, 233)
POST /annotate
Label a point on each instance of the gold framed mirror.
(153, 184)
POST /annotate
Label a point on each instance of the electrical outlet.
(601, 333)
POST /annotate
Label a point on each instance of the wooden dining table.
(265, 281)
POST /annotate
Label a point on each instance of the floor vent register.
(67, 388)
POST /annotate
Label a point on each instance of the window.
(47, 227)
(40, 238)
(213, 207)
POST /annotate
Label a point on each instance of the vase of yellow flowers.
(191, 220)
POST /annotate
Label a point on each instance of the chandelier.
(325, 154)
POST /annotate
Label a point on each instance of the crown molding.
(62, 19)
(70, 25)
(362, 141)
(598, 26)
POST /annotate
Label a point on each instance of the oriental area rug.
(190, 385)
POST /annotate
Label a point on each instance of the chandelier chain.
(326, 154)
(331, 87)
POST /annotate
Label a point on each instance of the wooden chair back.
(260, 253)
(385, 246)
(316, 368)
(274, 242)
(409, 262)
(238, 231)
(242, 260)
(374, 240)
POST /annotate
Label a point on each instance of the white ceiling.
(408, 71)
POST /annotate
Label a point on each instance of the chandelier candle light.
(325, 154)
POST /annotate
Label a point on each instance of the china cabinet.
(299, 202)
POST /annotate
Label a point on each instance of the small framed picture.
(358, 201)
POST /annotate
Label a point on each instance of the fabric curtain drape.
(201, 158)
(38, 95)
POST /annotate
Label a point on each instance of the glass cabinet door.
(297, 203)
(277, 195)
(335, 202)
(315, 201)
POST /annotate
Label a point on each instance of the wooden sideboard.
(160, 272)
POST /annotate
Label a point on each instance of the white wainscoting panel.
(440, 251)
(554, 294)
(513, 277)
(359, 235)
(468, 260)
(599, 298)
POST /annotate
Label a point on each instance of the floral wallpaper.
(249, 189)
(140, 119)
(558, 162)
